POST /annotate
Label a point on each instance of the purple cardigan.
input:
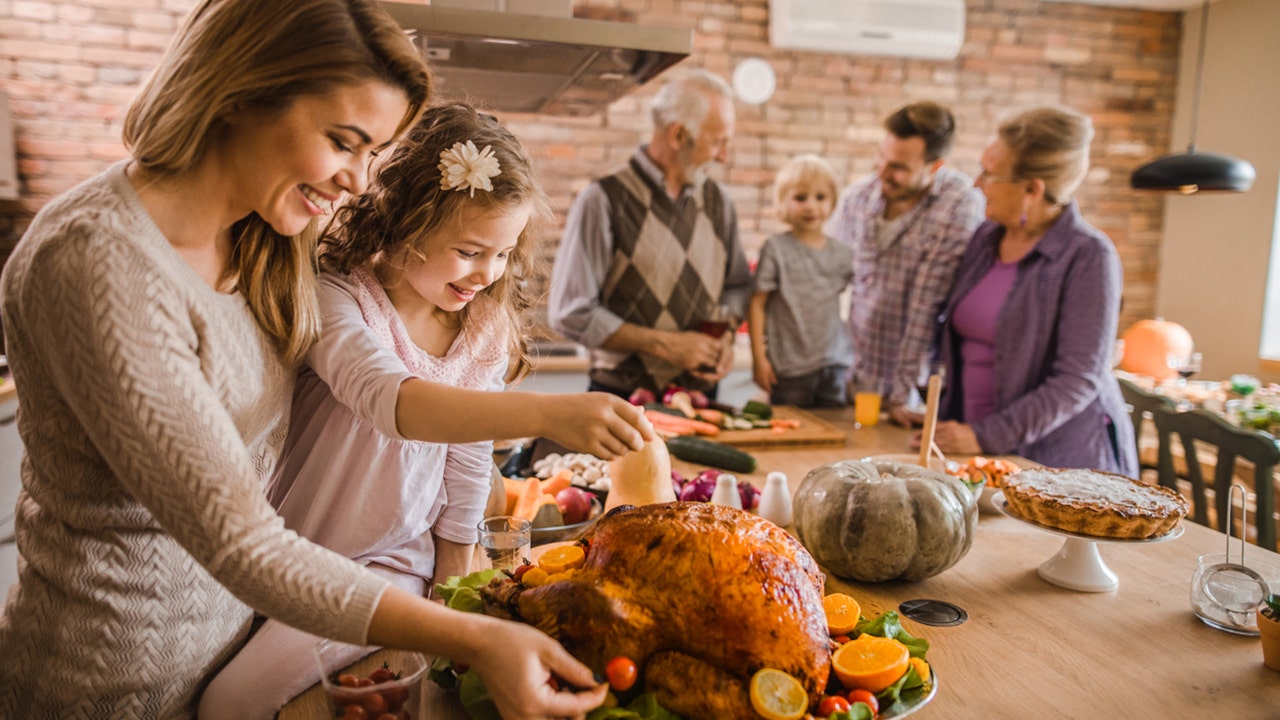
(1057, 402)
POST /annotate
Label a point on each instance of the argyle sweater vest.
(668, 270)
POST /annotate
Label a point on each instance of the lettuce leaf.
(888, 624)
(644, 707)
(463, 592)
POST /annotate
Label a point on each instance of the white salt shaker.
(775, 501)
(726, 492)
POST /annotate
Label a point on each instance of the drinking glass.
(1185, 365)
(866, 403)
(506, 541)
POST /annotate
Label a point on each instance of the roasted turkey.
(700, 596)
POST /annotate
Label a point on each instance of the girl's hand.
(762, 371)
(956, 437)
(598, 423)
(517, 665)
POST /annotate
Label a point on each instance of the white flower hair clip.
(463, 167)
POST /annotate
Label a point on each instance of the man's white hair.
(685, 99)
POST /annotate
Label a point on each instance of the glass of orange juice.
(866, 404)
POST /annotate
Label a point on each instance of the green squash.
(873, 521)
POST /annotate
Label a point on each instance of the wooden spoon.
(930, 418)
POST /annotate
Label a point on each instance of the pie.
(1092, 502)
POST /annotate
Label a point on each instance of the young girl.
(424, 282)
(800, 347)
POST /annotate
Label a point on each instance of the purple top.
(975, 324)
(1056, 400)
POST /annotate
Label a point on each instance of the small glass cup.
(1225, 593)
(399, 693)
(506, 541)
(866, 404)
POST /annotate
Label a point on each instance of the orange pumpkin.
(1148, 345)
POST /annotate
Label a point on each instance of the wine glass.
(1186, 366)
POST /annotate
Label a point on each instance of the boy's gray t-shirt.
(803, 328)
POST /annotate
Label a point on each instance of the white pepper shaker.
(726, 492)
(775, 501)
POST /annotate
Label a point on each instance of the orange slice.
(535, 577)
(565, 557)
(778, 696)
(843, 613)
(922, 668)
(870, 662)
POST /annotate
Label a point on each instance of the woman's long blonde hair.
(262, 55)
(406, 205)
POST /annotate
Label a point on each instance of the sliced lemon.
(778, 696)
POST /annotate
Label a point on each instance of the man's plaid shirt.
(898, 290)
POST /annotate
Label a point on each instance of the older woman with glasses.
(1029, 326)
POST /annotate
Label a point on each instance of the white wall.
(1217, 247)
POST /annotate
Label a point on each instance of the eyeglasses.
(985, 176)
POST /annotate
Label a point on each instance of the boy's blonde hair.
(809, 169)
(406, 205)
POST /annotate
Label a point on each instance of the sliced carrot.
(785, 424)
(684, 426)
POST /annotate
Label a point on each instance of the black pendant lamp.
(1193, 171)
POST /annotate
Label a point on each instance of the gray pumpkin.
(873, 521)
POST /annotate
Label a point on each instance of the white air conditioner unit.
(932, 29)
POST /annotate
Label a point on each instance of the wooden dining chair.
(1142, 405)
(1197, 429)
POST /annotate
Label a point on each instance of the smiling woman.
(146, 312)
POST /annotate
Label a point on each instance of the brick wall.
(69, 67)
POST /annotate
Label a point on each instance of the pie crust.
(1092, 502)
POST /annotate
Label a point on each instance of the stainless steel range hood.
(516, 62)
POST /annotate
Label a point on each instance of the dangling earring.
(1022, 221)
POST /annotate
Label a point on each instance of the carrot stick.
(687, 426)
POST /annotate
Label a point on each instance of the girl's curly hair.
(406, 205)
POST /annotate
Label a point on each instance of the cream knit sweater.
(152, 409)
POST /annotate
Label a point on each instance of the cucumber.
(757, 408)
(708, 452)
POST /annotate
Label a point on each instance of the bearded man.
(908, 225)
(651, 255)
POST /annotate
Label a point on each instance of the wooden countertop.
(1030, 649)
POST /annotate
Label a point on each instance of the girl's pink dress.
(349, 481)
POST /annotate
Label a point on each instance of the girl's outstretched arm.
(597, 423)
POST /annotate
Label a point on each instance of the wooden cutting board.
(813, 431)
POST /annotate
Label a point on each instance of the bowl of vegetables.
(569, 531)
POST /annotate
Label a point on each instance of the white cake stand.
(1077, 565)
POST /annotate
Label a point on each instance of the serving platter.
(1077, 564)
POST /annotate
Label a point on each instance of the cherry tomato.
(842, 639)
(396, 696)
(381, 675)
(520, 571)
(354, 712)
(347, 680)
(864, 696)
(374, 704)
(364, 682)
(832, 704)
(621, 672)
